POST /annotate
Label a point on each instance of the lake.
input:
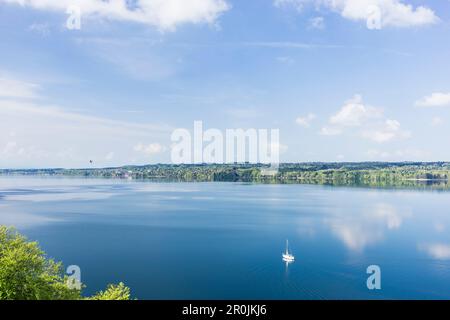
(225, 240)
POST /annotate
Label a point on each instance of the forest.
(402, 174)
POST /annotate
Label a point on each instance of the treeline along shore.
(379, 174)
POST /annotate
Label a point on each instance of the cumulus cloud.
(392, 12)
(163, 14)
(353, 113)
(389, 131)
(306, 120)
(389, 13)
(436, 99)
(356, 114)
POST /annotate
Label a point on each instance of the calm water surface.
(224, 240)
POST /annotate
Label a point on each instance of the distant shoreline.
(259, 165)
(377, 174)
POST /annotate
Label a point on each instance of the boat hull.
(288, 257)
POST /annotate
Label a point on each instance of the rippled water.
(224, 240)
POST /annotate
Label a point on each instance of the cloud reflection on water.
(439, 251)
(59, 196)
(357, 230)
(22, 220)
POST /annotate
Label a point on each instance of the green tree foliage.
(27, 274)
(113, 292)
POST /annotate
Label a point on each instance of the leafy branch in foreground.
(27, 274)
(113, 292)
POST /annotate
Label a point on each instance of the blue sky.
(114, 90)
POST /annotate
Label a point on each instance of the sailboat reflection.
(288, 263)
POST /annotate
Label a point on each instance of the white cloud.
(317, 23)
(389, 131)
(305, 121)
(354, 113)
(163, 14)
(393, 13)
(436, 99)
(11, 88)
(150, 149)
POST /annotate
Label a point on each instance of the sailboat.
(287, 257)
